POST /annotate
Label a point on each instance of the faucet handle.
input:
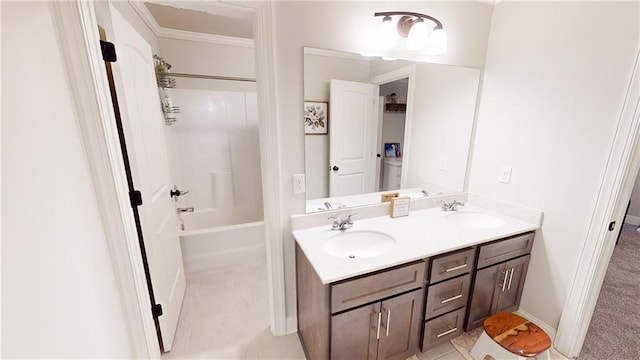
(337, 222)
(349, 218)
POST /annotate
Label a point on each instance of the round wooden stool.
(509, 336)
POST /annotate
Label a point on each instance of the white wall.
(554, 84)
(59, 297)
(341, 26)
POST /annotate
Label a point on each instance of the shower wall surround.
(214, 152)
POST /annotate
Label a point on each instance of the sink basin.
(358, 244)
(475, 220)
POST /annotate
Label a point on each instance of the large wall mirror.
(374, 125)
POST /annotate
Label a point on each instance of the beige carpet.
(615, 326)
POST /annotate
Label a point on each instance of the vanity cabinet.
(373, 316)
(499, 278)
(447, 296)
(388, 314)
(383, 330)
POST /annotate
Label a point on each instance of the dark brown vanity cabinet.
(373, 316)
(383, 330)
(447, 296)
(383, 314)
(499, 280)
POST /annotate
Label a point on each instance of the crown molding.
(335, 54)
(206, 38)
(146, 16)
(166, 33)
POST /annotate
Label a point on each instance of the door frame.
(401, 73)
(615, 189)
(77, 33)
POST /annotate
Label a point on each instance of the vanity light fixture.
(413, 27)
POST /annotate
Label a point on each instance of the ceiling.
(172, 16)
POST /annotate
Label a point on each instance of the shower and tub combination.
(213, 149)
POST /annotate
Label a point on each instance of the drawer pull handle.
(388, 321)
(378, 331)
(456, 268)
(447, 332)
(451, 299)
(510, 278)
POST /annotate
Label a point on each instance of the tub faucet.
(182, 210)
(452, 206)
(340, 224)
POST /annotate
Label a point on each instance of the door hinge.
(156, 310)
(612, 225)
(108, 51)
(136, 198)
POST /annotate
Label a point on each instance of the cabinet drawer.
(368, 288)
(451, 265)
(447, 296)
(505, 249)
(442, 329)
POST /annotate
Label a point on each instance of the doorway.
(274, 308)
(393, 97)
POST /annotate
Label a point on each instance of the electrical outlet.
(298, 184)
(505, 175)
(443, 164)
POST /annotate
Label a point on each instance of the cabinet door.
(400, 330)
(487, 286)
(353, 333)
(515, 272)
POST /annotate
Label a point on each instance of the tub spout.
(182, 210)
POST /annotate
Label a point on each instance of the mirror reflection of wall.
(424, 111)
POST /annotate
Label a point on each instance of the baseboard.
(633, 220)
(292, 324)
(550, 330)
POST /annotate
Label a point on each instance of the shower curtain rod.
(210, 77)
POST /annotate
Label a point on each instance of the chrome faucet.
(452, 206)
(340, 224)
(183, 210)
(426, 193)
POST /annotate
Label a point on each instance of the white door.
(143, 127)
(352, 137)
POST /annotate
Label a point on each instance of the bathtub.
(210, 243)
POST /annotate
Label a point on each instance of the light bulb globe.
(437, 42)
(387, 38)
(418, 36)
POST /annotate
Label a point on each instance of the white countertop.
(420, 235)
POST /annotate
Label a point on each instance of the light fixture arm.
(406, 13)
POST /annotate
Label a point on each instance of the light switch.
(505, 175)
(298, 184)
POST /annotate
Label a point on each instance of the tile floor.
(225, 315)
